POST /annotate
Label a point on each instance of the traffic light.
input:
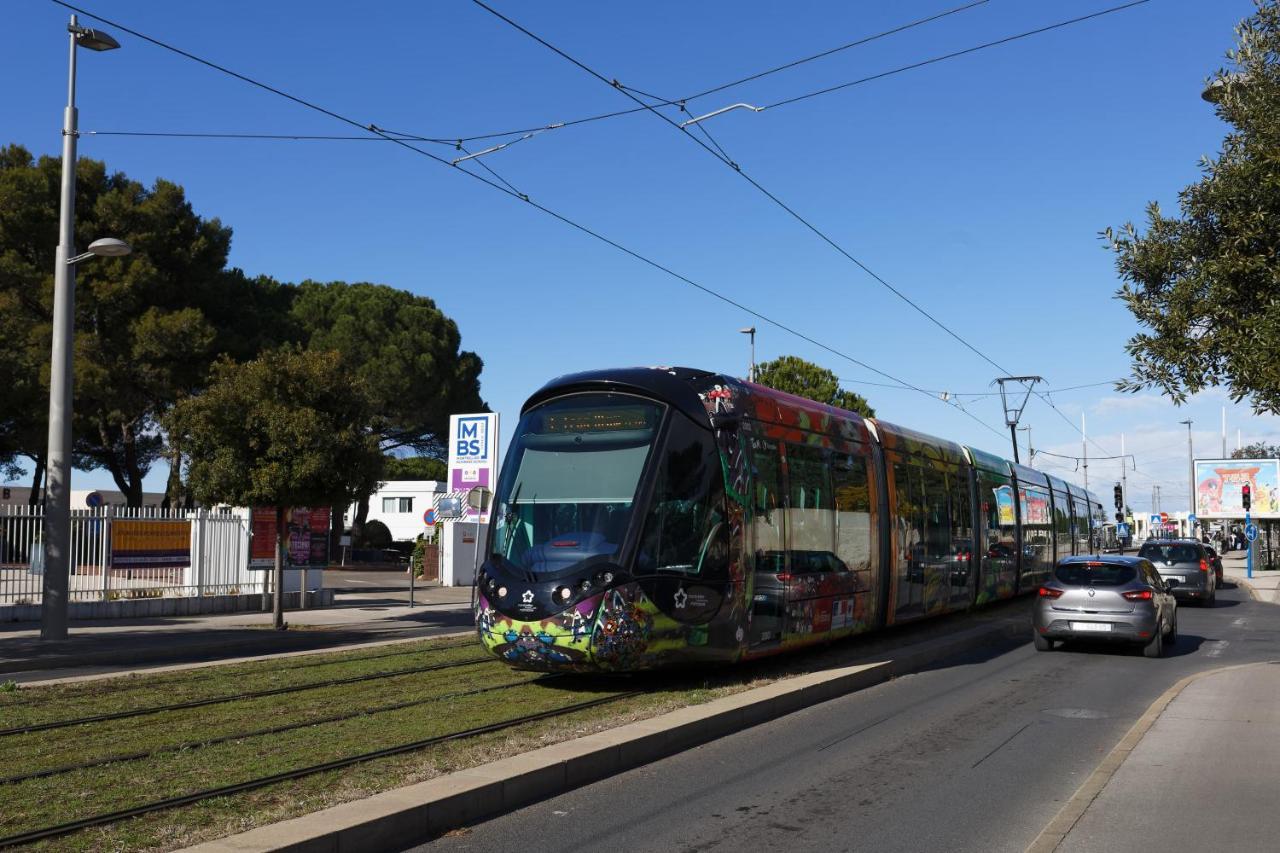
(1119, 497)
(1246, 496)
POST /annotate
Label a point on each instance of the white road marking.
(1240, 623)
(1216, 648)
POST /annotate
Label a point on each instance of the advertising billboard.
(1219, 482)
(306, 544)
(473, 457)
(150, 544)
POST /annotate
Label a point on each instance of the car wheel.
(1172, 636)
(1155, 648)
(1042, 643)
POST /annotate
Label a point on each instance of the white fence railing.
(121, 553)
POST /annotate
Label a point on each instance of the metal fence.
(121, 553)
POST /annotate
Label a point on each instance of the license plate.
(1099, 627)
(1178, 578)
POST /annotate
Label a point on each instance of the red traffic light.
(1246, 496)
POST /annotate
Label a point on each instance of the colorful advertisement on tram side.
(1220, 482)
(1004, 504)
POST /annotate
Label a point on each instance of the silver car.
(1188, 562)
(1119, 599)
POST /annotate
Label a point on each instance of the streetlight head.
(93, 39)
(750, 330)
(109, 247)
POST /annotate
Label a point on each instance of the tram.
(648, 517)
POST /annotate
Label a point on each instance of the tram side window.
(938, 521)
(1062, 523)
(1002, 538)
(853, 501)
(810, 511)
(684, 530)
(961, 512)
(768, 521)
(911, 514)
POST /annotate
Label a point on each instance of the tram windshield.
(570, 480)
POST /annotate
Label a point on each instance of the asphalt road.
(978, 753)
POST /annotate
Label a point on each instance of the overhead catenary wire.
(954, 54)
(373, 128)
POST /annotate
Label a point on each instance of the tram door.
(820, 588)
(770, 559)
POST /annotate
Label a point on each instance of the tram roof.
(678, 386)
(907, 440)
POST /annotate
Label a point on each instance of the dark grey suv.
(1187, 562)
(1119, 599)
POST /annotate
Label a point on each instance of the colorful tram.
(648, 517)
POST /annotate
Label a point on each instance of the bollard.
(412, 576)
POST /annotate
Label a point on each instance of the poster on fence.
(150, 544)
(306, 543)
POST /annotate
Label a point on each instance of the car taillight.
(1139, 595)
(1049, 592)
(1204, 567)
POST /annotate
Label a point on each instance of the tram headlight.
(502, 592)
(563, 594)
(584, 585)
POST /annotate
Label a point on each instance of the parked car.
(1113, 598)
(1215, 560)
(1187, 562)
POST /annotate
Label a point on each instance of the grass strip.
(191, 745)
(34, 704)
(226, 790)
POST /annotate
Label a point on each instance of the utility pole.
(1084, 446)
(1012, 408)
(1124, 481)
(1191, 479)
(1031, 450)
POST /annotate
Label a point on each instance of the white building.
(400, 505)
(81, 498)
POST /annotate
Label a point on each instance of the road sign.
(1164, 518)
(1251, 532)
(429, 518)
(1155, 520)
(1191, 519)
(1122, 529)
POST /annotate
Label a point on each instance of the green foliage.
(414, 468)
(402, 348)
(8, 686)
(806, 379)
(377, 534)
(289, 428)
(1258, 450)
(1206, 283)
(147, 326)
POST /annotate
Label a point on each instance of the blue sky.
(976, 186)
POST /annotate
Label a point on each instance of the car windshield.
(570, 479)
(1170, 552)
(1094, 574)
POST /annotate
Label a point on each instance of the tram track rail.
(218, 700)
(66, 828)
(301, 724)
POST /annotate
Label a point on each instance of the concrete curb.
(1067, 817)
(405, 816)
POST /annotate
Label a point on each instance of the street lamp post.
(751, 370)
(57, 496)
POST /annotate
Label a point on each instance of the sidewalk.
(1176, 782)
(378, 611)
(1264, 585)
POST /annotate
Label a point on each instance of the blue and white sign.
(1155, 520)
(1251, 532)
(473, 456)
(1122, 529)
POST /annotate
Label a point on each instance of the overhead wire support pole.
(1012, 413)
